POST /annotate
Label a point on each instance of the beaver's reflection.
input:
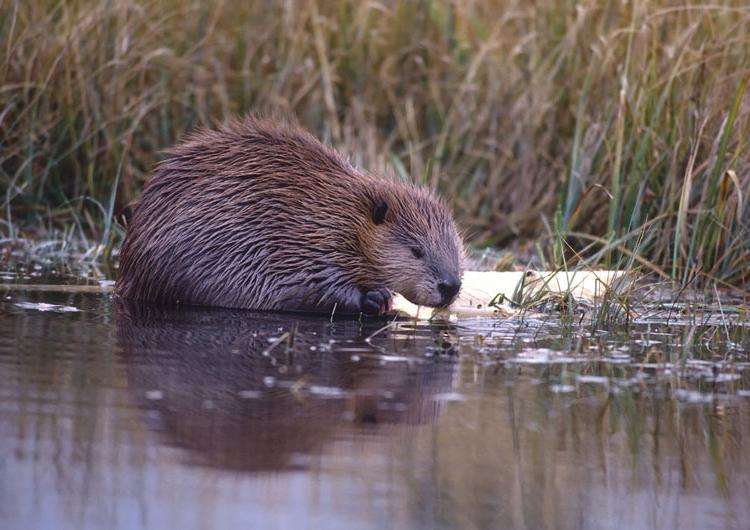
(259, 392)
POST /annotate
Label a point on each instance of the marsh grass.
(613, 133)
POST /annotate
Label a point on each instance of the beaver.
(259, 214)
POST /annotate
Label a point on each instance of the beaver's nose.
(449, 287)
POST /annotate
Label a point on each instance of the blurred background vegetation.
(596, 130)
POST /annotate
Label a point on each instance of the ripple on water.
(123, 417)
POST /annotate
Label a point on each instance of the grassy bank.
(602, 130)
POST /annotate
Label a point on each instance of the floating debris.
(545, 356)
(327, 391)
(42, 306)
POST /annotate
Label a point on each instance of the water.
(114, 416)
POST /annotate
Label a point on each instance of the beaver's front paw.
(376, 301)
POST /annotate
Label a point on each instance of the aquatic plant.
(614, 133)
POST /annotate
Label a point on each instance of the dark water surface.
(123, 417)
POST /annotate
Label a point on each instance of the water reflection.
(122, 417)
(259, 392)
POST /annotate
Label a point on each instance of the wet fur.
(264, 216)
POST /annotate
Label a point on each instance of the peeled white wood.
(479, 289)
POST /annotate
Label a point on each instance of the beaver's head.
(414, 245)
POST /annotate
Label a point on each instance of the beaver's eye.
(418, 252)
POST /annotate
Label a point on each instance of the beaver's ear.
(379, 211)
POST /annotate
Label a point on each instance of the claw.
(376, 301)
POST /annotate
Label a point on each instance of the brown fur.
(263, 216)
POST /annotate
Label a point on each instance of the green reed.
(621, 125)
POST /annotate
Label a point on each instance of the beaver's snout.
(448, 288)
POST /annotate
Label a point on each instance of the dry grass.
(612, 129)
